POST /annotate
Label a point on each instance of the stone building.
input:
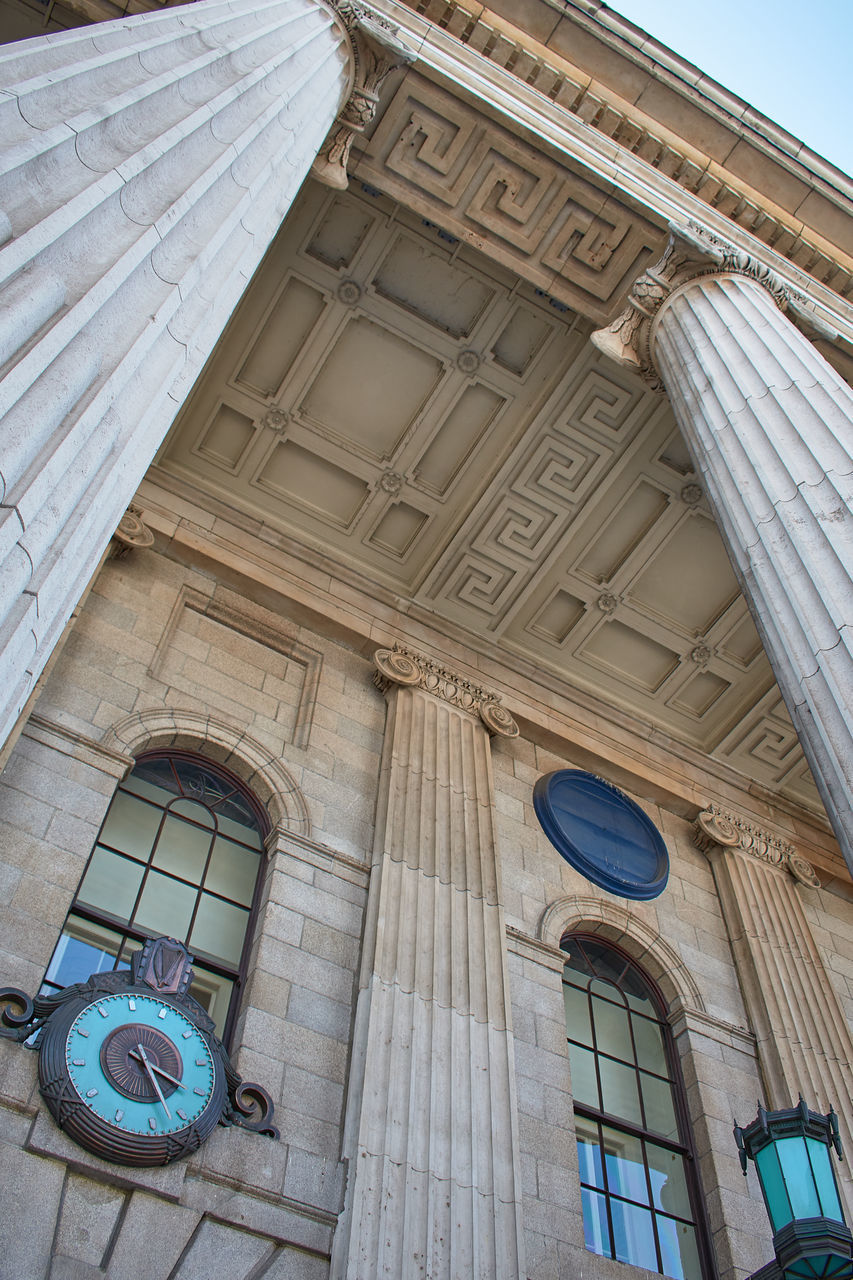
(402, 404)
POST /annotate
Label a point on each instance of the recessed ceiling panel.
(371, 387)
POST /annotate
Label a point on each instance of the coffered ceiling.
(390, 396)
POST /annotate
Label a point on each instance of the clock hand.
(159, 1070)
(148, 1065)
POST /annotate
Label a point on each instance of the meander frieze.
(715, 829)
(405, 667)
(691, 253)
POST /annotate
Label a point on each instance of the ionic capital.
(691, 253)
(715, 830)
(401, 666)
(131, 532)
(376, 53)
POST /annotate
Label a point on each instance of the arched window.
(179, 853)
(638, 1183)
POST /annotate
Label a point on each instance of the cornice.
(564, 128)
(402, 666)
(715, 831)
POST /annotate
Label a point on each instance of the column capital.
(715, 829)
(402, 666)
(376, 52)
(691, 253)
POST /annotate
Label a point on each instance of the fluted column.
(804, 1041)
(433, 1188)
(770, 425)
(147, 164)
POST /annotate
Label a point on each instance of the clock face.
(131, 1077)
(139, 1064)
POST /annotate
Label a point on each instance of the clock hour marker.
(103, 1012)
(83, 1033)
(200, 1092)
(152, 1123)
(91, 1093)
(187, 1035)
(201, 1062)
(161, 1013)
(119, 1116)
(183, 1114)
(131, 1004)
(78, 1062)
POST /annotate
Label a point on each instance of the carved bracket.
(714, 829)
(403, 666)
(691, 253)
(376, 53)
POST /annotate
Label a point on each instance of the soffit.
(389, 397)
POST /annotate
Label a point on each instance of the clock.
(129, 1063)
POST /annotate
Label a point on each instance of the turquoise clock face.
(139, 1064)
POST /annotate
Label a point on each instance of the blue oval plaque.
(602, 833)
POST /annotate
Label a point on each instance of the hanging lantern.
(792, 1154)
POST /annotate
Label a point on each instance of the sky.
(792, 61)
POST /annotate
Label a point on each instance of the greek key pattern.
(539, 218)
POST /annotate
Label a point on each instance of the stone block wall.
(163, 651)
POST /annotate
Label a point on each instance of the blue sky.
(790, 60)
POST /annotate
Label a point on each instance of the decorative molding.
(163, 727)
(715, 829)
(544, 953)
(404, 667)
(131, 533)
(61, 737)
(691, 253)
(613, 118)
(575, 914)
(376, 53)
(225, 609)
(526, 208)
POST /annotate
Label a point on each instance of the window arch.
(639, 1189)
(180, 852)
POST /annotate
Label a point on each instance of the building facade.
(405, 404)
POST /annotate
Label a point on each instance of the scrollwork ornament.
(498, 720)
(396, 667)
(131, 533)
(802, 871)
(715, 829)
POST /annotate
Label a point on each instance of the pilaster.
(804, 1042)
(434, 1187)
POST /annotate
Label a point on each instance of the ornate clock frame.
(135, 1059)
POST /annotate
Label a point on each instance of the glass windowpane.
(623, 1159)
(660, 1112)
(153, 778)
(111, 883)
(595, 1229)
(131, 826)
(194, 811)
(589, 1152)
(679, 1251)
(619, 1091)
(233, 871)
(649, 1045)
(83, 949)
(247, 832)
(219, 929)
(669, 1183)
(182, 848)
(213, 993)
(633, 1235)
(584, 1086)
(612, 1033)
(166, 906)
(577, 1014)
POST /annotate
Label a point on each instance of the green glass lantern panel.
(820, 1157)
